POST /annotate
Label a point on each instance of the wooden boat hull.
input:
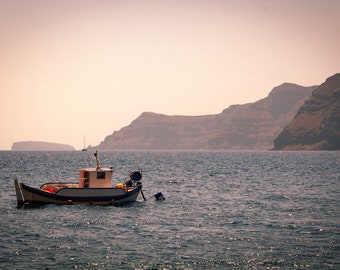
(27, 195)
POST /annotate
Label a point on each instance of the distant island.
(40, 146)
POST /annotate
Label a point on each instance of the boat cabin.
(95, 178)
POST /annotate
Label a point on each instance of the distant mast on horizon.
(84, 149)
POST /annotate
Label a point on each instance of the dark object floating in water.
(159, 196)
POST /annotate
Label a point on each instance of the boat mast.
(97, 161)
(84, 149)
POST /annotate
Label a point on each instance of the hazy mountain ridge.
(251, 126)
(40, 146)
(316, 126)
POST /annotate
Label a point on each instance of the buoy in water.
(159, 196)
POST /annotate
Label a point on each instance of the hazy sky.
(75, 67)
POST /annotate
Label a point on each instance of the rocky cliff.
(40, 146)
(316, 126)
(239, 127)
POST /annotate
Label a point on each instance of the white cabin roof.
(100, 169)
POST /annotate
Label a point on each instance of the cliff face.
(316, 125)
(40, 146)
(239, 127)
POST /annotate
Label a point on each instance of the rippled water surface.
(223, 210)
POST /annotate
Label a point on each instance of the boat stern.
(19, 193)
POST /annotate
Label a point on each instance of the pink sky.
(72, 67)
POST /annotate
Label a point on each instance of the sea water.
(222, 210)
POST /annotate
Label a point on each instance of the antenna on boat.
(97, 161)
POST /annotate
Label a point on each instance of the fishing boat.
(93, 187)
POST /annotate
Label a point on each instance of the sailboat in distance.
(84, 149)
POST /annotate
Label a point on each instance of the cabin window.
(100, 175)
(86, 180)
